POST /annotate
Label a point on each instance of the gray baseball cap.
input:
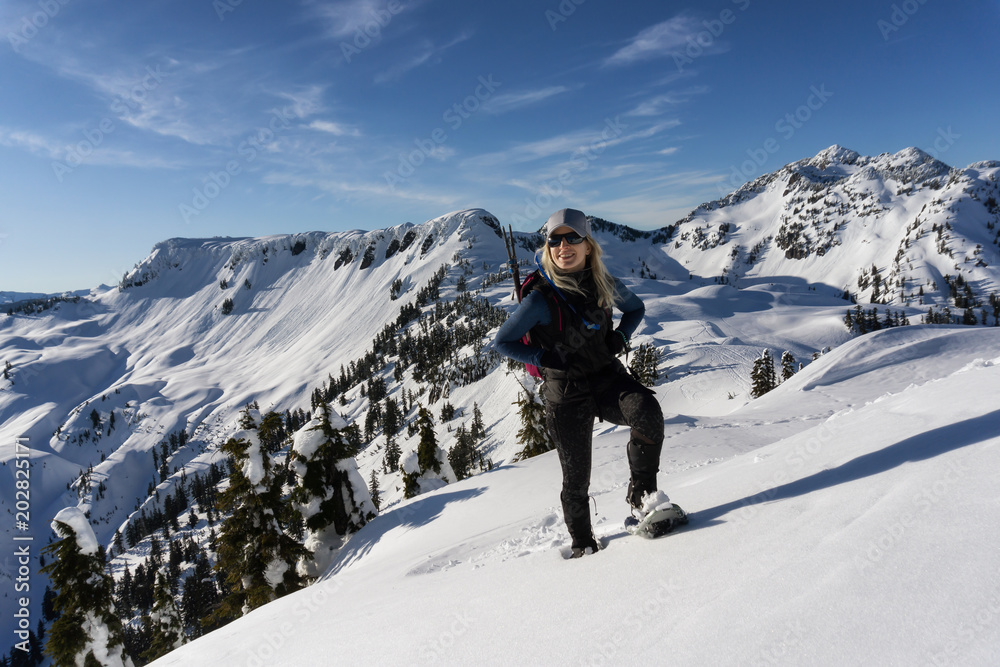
(568, 217)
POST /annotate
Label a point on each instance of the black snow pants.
(570, 409)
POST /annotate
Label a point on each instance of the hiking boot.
(585, 547)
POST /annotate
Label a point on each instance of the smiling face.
(566, 256)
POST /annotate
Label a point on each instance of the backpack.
(534, 278)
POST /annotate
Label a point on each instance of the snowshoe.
(657, 522)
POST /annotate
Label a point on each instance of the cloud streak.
(427, 52)
(500, 104)
(658, 41)
(345, 19)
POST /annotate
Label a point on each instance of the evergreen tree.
(533, 434)
(330, 495)
(373, 490)
(427, 450)
(478, 429)
(392, 417)
(87, 631)
(425, 464)
(200, 596)
(392, 454)
(763, 378)
(163, 623)
(462, 456)
(271, 432)
(787, 365)
(644, 364)
(255, 554)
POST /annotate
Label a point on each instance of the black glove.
(556, 360)
(618, 343)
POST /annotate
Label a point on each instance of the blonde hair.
(602, 279)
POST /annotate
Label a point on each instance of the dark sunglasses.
(572, 238)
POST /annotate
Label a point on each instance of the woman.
(567, 315)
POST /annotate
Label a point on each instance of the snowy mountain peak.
(835, 154)
(910, 165)
(901, 228)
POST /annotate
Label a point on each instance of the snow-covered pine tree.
(330, 495)
(164, 625)
(787, 365)
(255, 553)
(426, 468)
(763, 377)
(427, 450)
(533, 434)
(87, 631)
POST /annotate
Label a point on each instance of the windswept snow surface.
(848, 517)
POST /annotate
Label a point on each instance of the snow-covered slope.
(848, 518)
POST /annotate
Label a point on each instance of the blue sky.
(126, 123)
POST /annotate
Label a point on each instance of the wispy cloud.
(660, 40)
(31, 142)
(664, 102)
(336, 129)
(345, 19)
(499, 104)
(72, 156)
(347, 189)
(427, 52)
(305, 101)
(568, 144)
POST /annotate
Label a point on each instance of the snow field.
(859, 538)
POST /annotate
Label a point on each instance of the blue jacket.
(539, 309)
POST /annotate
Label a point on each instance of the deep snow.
(848, 517)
